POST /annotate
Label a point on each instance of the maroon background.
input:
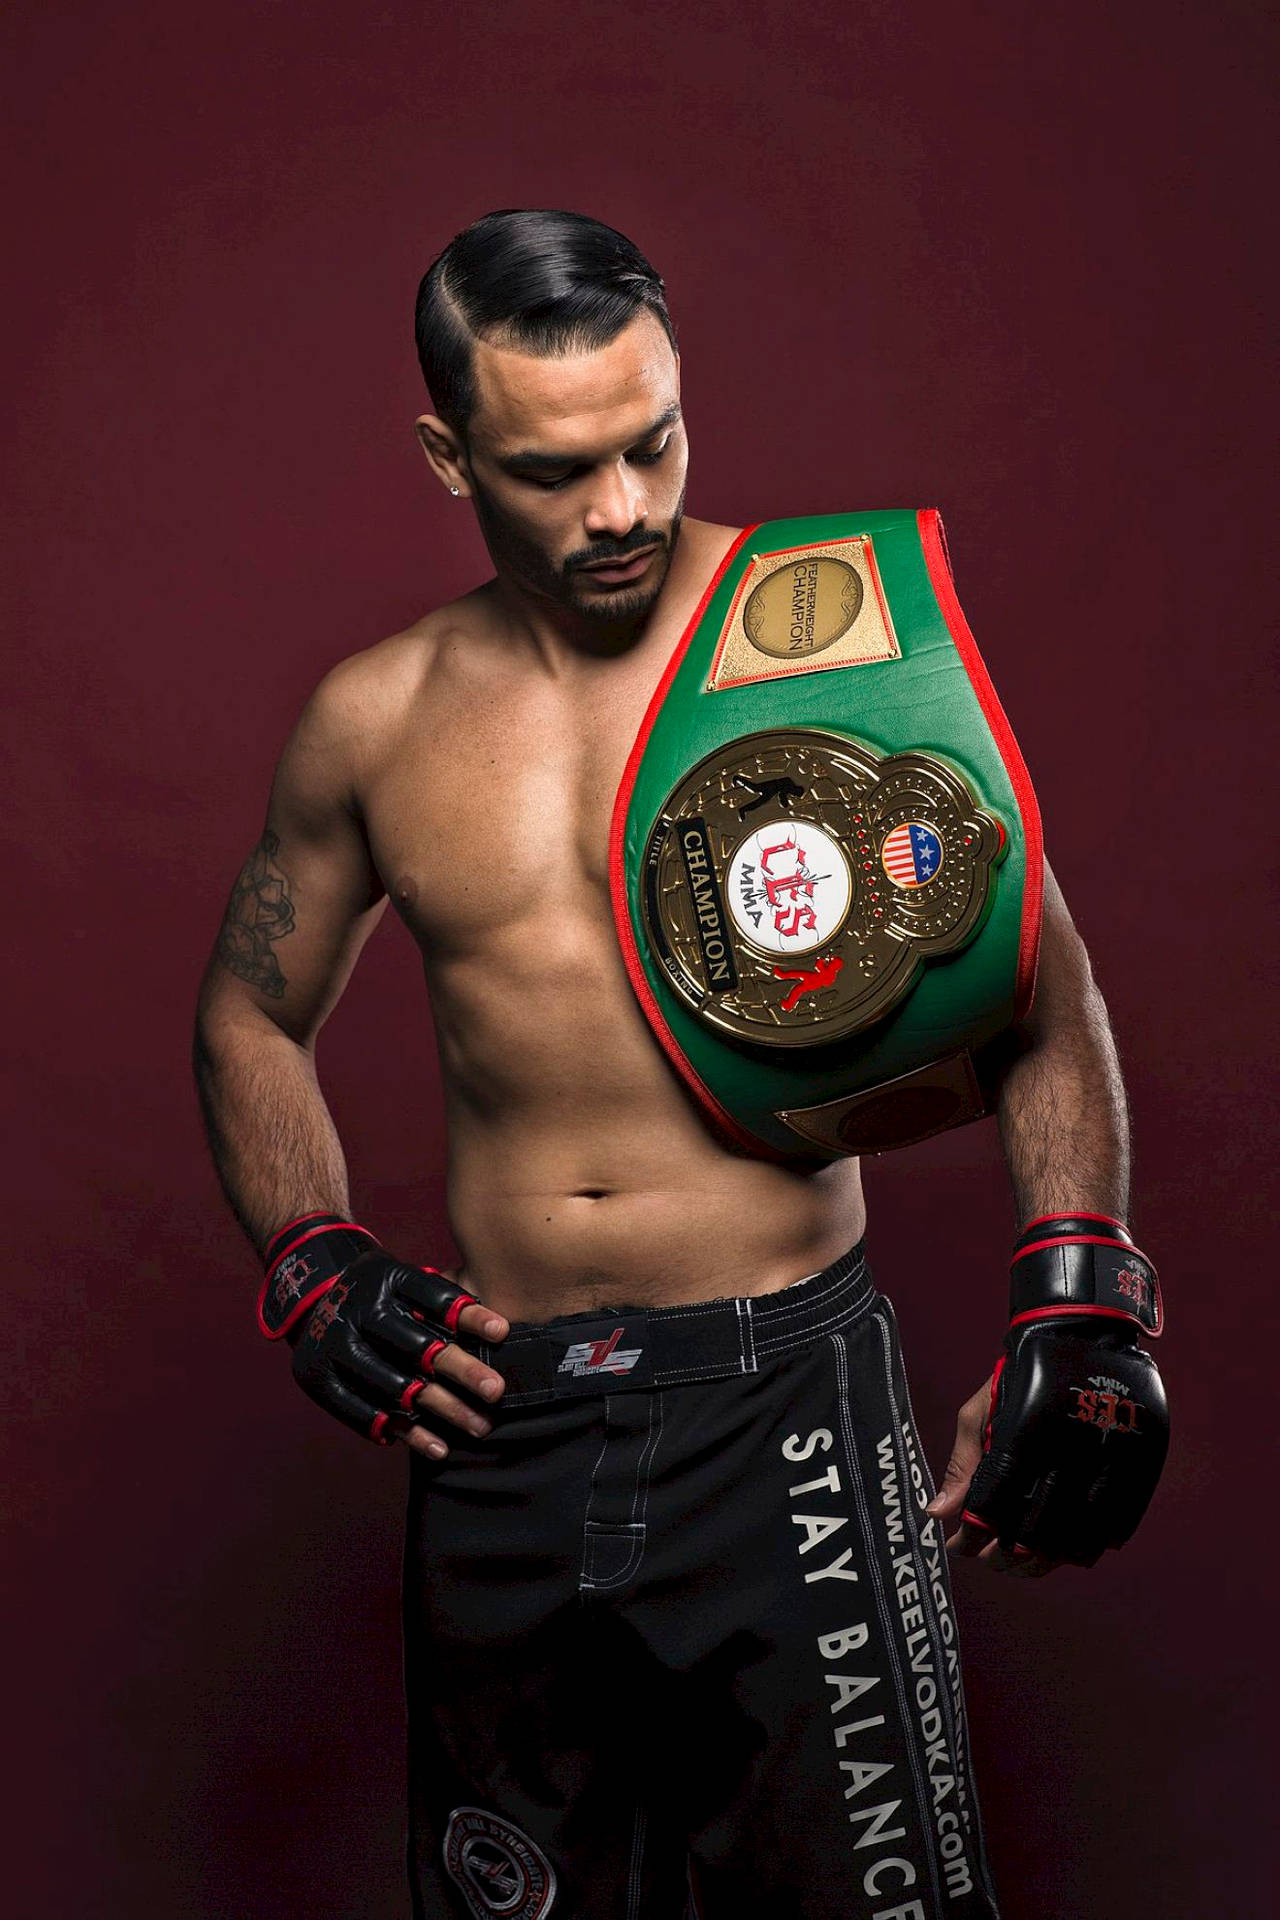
(1001, 259)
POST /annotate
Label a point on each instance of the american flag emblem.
(911, 854)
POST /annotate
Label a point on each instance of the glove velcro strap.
(303, 1261)
(1055, 1226)
(1097, 1272)
(294, 1229)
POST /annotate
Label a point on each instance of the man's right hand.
(373, 1337)
(377, 1349)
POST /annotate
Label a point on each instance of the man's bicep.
(1064, 977)
(307, 897)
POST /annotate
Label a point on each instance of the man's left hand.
(947, 1505)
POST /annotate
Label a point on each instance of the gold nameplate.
(796, 881)
(803, 610)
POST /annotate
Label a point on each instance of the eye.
(652, 458)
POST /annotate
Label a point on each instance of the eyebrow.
(530, 460)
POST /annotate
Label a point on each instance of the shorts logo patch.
(498, 1868)
(600, 1356)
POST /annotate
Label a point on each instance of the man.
(678, 1629)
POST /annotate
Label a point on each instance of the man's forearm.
(273, 1140)
(1063, 1117)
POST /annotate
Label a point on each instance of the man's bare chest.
(494, 812)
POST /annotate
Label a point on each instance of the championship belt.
(825, 858)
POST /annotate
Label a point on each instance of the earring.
(455, 491)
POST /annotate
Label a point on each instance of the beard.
(532, 569)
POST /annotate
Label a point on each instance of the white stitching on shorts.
(637, 1857)
(590, 1542)
(800, 1335)
(761, 1346)
(646, 1458)
(591, 1489)
(746, 1335)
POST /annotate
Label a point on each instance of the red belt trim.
(929, 521)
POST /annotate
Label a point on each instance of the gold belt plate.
(803, 610)
(795, 882)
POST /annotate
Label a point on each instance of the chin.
(627, 603)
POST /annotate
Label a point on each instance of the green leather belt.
(826, 860)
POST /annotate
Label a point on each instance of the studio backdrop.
(1001, 260)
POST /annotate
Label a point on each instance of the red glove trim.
(378, 1433)
(1076, 1213)
(1111, 1313)
(410, 1393)
(428, 1360)
(348, 1226)
(307, 1300)
(456, 1306)
(321, 1213)
(976, 1520)
(1075, 1240)
(991, 1405)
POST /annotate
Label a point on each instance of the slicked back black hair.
(546, 281)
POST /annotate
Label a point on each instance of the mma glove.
(366, 1329)
(1078, 1426)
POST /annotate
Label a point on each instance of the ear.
(444, 452)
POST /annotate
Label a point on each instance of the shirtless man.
(656, 1661)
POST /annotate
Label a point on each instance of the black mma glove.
(365, 1328)
(1078, 1427)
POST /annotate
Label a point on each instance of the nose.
(617, 504)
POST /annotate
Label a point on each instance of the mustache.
(594, 555)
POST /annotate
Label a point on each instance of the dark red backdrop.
(997, 258)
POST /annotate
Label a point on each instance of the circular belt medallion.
(795, 882)
(803, 607)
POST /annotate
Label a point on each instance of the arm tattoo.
(258, 912)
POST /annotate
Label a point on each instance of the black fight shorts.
(679, 1638)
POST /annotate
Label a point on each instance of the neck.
(557, 635)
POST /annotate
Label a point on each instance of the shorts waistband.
(603, 1352)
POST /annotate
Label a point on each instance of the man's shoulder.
(376, 687)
